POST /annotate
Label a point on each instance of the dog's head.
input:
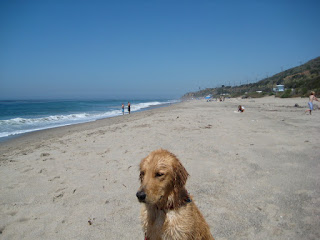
(161, 175)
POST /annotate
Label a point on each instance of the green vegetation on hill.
(298, 81)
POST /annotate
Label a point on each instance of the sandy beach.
(254, 175)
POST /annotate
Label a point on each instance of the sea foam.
(20, 125)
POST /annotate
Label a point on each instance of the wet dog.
(168, 211)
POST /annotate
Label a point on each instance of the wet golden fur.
(168, 212)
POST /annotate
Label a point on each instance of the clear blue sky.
(107, 49)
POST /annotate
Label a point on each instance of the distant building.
(279, 88)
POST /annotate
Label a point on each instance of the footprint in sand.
(60, 190)
(43, 170)
(13, 213)
(27, 170)
(58, 196)
(57, 177)
(23, 219)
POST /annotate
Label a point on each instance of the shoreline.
(253, 175)
(7, 140)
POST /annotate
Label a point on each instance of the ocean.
(23, 116)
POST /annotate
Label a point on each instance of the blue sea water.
(22, 116)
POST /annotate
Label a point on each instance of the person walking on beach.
(129, 107)
(310, 103)
(122, 109)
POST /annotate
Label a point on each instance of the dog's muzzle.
(141, 195)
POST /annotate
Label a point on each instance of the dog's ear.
(180, 174)
(141, 167)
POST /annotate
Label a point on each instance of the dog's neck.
(174, 200)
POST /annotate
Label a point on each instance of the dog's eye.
(141, 175)
(159, 174)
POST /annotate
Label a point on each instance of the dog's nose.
(141, 195)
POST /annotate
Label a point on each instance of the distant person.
(122, 109)
(240, 108)
(129, 107)
(310, 103)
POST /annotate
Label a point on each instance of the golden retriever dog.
(168, 211)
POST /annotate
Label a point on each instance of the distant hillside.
(298, 81)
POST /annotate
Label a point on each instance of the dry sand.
(254, 175)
